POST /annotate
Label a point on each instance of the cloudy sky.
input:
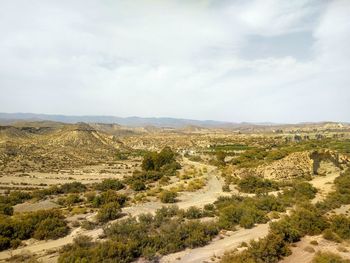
(233, 60)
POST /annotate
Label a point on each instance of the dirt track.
(324, 185)
(217, 247)
(208, 194)
(44, 246)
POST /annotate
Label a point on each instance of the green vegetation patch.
(44, 224)
(256, 184)
(148, 236)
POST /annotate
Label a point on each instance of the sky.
(229, 60)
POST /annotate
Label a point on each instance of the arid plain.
(104, 192)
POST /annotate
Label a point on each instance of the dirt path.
(42, 247)
(324, 185)
(204, 196)
(217, 247)
(208, 194)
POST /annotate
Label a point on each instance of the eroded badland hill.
(110, 193)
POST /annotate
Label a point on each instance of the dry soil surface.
(217, 247)
(303, 252)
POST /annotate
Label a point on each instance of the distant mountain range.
(128, 121)
(7, 118)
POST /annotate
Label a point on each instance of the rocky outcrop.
(298, 164)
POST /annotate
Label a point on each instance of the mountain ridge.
(135, 121)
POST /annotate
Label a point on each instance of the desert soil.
(303, 252)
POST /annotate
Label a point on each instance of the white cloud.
(174, 58)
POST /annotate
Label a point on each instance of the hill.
(30, 148)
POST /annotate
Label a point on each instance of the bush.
(246, 211)
(270, 249)
(226, 188)
(43, 224)
(308, 220)
(5, 243)
(255, 184)
(299, 192)
(108, 197)
(69, 200)
(330, 235)
(244, 215)
(6, 209)
(138, 185)
(148, 237)
(168, 196)
(155, 161)
(88, 225)
(109, 211)
(50, 228)
(328, 257)
(13, 198)
(193, 213)
(110, 184)
(340, 224)
(75, 187)
(284, 228)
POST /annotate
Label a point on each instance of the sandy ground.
(43, 247)
(30, 207)
(86, 175)
(215, 249)
(343, 210)
(303, 252)
(208, 194)
(324, 185)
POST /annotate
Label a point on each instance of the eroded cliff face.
(299, 164)
(294, 165)
(324, 159)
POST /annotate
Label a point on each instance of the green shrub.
(340, 224)
(286, 229)
(50, 228)
(246, 211)
(5, 243)
(242, 214)
(308, 220)
(168, 196)
(226, 188)
(43, 224)
(328, 257)
(75, 187)
(193, 213)
(298, 192)
(69, 200)
(6, 209)
(138, 185)
(330, 235)
(155, 161)
(270, 249)
(108, 197)
(109, 211)
(13, 198)
(255, 184)
(88, 225)
(110, 184)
